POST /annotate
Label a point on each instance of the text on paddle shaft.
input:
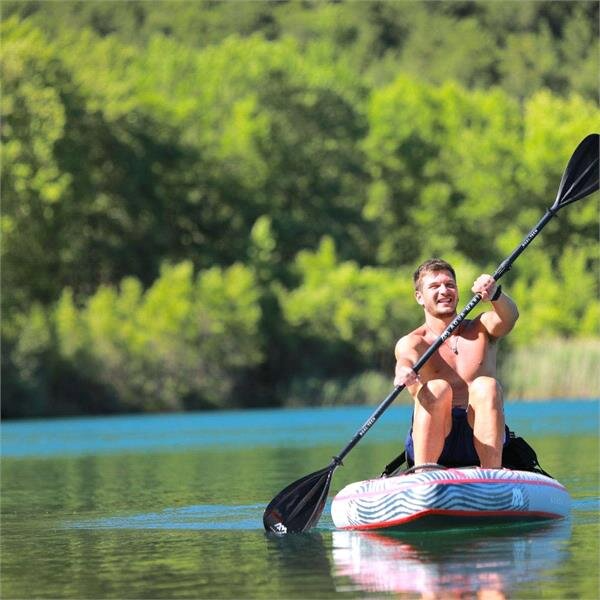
(529, 238)
(366, 426)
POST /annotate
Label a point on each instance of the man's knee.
(485, 392)
(435, 393)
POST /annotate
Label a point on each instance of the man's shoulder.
(477, 324)
(413, 338)
(474, 322)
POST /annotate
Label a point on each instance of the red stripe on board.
(455, 513)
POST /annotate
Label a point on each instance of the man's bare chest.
(462, 358)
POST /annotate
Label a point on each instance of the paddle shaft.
(505, 265)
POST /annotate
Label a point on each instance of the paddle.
(299, 506)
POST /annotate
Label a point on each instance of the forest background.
(220, 204)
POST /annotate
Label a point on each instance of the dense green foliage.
(221, 203)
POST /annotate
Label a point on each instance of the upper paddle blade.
(581, 176)
(299, 506)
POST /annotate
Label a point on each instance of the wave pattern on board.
(468, 497)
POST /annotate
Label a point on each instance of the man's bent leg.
(432, 420)
(486, 417)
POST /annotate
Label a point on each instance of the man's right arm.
(406, 356)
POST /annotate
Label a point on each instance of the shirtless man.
(458, 417)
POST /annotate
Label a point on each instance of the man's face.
(437, 293)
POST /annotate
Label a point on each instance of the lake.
(170, 506)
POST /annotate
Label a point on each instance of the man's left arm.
(504, 314)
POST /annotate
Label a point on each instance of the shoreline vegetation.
(213, 205)
(547, 370)
(553, 369)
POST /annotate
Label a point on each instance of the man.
(458, 416)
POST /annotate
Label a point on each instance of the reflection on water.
(488, 562)
(303, 558)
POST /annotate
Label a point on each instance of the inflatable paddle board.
(449, 498)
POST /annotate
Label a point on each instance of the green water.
(171, 506)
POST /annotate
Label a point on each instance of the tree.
(185, 342)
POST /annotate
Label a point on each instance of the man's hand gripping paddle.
(298, 507)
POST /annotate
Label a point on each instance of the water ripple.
(201, 516)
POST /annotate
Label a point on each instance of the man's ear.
(419, 297)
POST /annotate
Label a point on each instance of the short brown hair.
(432, 266)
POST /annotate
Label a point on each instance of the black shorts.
(459, 449)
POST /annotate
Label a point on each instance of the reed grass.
(553, 368)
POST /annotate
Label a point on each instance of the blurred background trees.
(218, 204)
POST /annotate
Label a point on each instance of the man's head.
(435, 287)
(433, 265)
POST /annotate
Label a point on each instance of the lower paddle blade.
(299, 506)
(581, 177)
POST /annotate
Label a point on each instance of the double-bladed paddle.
(298, 507)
